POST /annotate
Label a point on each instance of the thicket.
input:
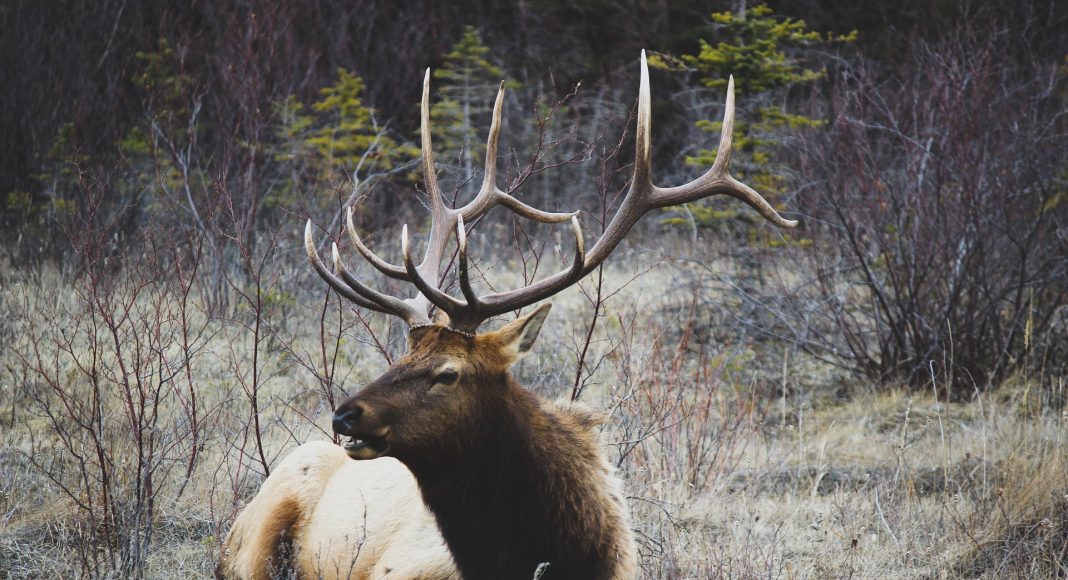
(937, 200)
(229, 120)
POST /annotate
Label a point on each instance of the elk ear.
(518, 336)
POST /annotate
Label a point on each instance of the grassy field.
(135, 423)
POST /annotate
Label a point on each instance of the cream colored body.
(344, 519)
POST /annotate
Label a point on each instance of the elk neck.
(531, 486)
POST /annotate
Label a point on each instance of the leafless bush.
(115, 418)
(935, 203)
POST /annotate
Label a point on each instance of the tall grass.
(137, 420)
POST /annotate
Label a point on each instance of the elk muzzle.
(364, 441)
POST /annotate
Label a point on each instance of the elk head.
(452, 380)
(428, 404)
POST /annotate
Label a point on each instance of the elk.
(459, 470)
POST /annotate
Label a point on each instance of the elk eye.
(446, 377)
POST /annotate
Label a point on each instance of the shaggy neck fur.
(533, 487)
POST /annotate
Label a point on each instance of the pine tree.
(347, 131)
(760, 49)
(467, 85)
(338, 137)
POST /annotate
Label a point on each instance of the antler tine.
(489, 194)
(425, 275)
(489, 176)
(328, 276)
(440, 216)
(465, 279)
(726, 133)
(381, 265)
(578, 261)
(389, 306)
(429, 291)
(718, 180)
(639, 198)
(385, 302)
(430, 175)
(643, 196)
(641, 181)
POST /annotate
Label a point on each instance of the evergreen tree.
(147, 149)
(467, 85)
(760, 49)
(338, 137)
(347, 131)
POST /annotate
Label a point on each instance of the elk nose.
(346, 418)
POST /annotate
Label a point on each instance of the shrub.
(937, 193)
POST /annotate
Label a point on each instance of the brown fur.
(513, 481)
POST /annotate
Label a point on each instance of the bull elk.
(472, 475)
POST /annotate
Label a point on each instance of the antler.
(467, 314)
(444, 220)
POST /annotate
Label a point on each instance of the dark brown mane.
(534, 489)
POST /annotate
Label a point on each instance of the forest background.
(880, 391)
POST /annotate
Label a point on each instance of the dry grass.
(741, 459)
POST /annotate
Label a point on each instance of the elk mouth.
(366, 446)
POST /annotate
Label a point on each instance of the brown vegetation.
(880, 393)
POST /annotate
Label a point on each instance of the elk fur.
(323, 515)
(516, 482)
